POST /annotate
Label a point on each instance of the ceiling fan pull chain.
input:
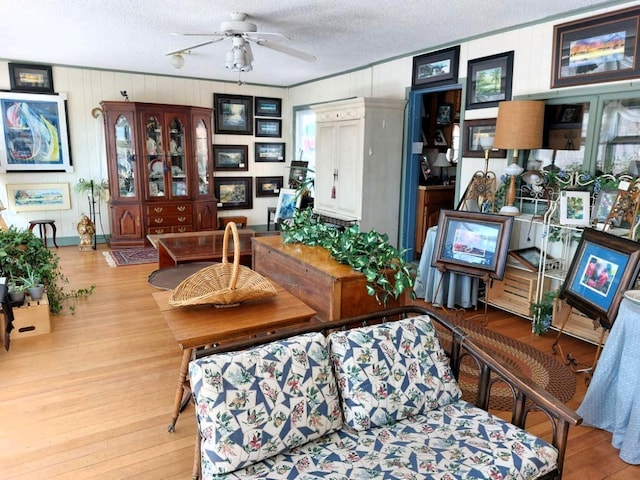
(333, 192)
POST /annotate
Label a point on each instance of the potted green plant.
(388, 274)
(31, 281)
(16, 292)
(542, 312)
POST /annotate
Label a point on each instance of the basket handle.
(231, 227)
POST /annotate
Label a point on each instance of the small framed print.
(444, 114)
(268, 186)
(266, 127)
(229, 158)
(268, 107)
(439, 139)
(489, 80)
(269, 152)
(24, 77)
(233, 114)
(605, 200)
(436, 68)
(530, 258)
(474, 132)
(575, 207)
(233, 192)
(297, 173)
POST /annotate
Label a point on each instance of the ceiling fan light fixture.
(177, 60)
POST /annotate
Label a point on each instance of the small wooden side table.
(42, 229)
(240, 221)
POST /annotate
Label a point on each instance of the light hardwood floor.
(93, 398)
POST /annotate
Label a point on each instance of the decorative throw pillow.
(256, 403)
(391, 371)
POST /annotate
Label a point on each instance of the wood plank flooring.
(93, 398)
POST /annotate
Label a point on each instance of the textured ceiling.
(135, 35)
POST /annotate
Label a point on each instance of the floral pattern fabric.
(256, 403)
(454, 442)
(391, 371)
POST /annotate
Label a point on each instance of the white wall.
(86, 88)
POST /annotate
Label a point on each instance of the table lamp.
(518, 127)
(443, 162)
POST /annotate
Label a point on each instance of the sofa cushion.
(391, 371)
(256, 403)
(454, 442)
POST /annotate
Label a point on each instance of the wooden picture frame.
(436, 68)
(598, 49)
(603, 267)
(269, 186)
(489, 80)
(298, 173)
(233, 192)
(268, 127)
(575, 207)
(439, 140)
(530, 258)
(34, 133)
(30, 78)
(269, 152)
(474, 130)
(473, 243)
(233, 114)
(230, 158)
(288, 201)
(31, 197)
(268, 107)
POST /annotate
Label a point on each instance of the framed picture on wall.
(28, 197)
(233, 114)
(474, 132)
(603, 267)
(33, 132)
(30, 78)
(267, 127)
(269, 152)
(268, 107)
(268, 186)
(489, 80)
(598, 49)
(233, 192)
(228, 158)
(436, 68)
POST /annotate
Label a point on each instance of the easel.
(563, 314)
(459, 312)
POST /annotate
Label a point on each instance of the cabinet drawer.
(162, 210)
(155, 220)
(439, 196)
(169, 229)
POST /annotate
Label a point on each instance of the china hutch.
(160, 170)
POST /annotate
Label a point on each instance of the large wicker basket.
(223, 283)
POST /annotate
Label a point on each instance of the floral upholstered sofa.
(371, 402)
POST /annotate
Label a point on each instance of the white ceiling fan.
(242, 34)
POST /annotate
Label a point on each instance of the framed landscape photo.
(436, 68)
(297, 173)
(233, 114)
(605, 200)
(489, 80)
(575, 207)
(268, 107)
(530, 258)
(597, 49)
(266, 127)
(268, 186)
(269, 152)
(474, 132)
(233, 192)
(229, 158)
(444, 114)
(30, 78)
(29, 197)
(34, 133)
(603, 267)
(472, 243)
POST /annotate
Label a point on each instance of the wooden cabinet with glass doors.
(160, 170)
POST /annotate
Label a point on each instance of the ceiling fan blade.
(283, 49)
(192, 47)
(209, 34)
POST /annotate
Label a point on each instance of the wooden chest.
(332, 289)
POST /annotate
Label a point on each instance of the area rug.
(544, 369)
(131, 256)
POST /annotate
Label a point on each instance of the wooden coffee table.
(176, 248)
(206, 325)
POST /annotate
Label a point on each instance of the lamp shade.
(519, 125)
(441, 161)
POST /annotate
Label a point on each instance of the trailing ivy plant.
(542, 312)
(388, 274)
(22, 253)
